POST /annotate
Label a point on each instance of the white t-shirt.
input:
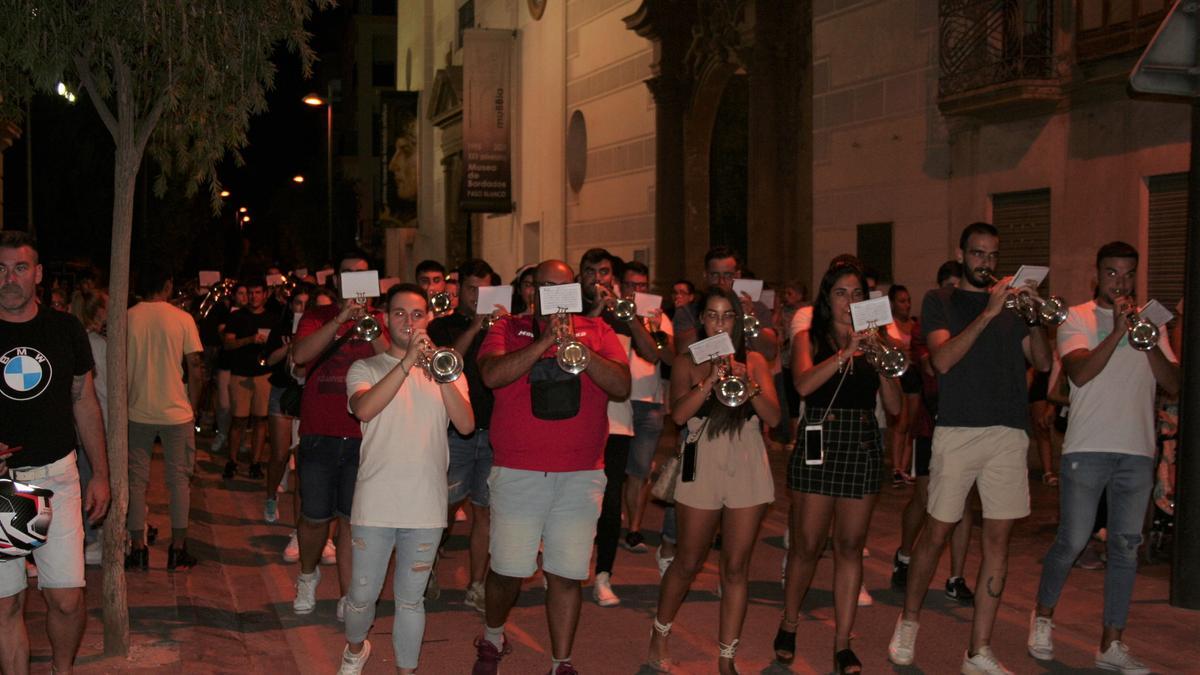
(801, 321)
(100, 356)
(405, 452)
(1114, 412)
(620, 413)
(646, 383)
(160, 335)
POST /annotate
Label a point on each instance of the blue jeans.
(415, 552)
(470, 465)
(1084, 477)
(647, 427)
(328, 470)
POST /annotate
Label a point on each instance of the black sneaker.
(256, 470)
(899, 572)
(230, 470)
(138, 559)
(179, 558)
(635, 542)
(956, 589)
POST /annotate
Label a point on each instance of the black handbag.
(554, 393)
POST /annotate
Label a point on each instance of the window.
(1168, 237)
(1023, 219)
(875, 249)
(1112, 27)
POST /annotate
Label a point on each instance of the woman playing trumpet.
(838, 481)
(732, 485)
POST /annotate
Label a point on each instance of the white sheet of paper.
(490, 296)
(300, 272)
(874, 294)
(209, 277)
(356, 284)
(386, 283)
(274, 280)
(1031, 275)
(710, 347)
(561, 298)
(877, 311)
(751, 287)
(767, 298)
(1154, 312)
(647, 303)
(323, 275)
(264, 333)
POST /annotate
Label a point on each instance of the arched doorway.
(728, 166)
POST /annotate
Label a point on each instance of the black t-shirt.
(443, 332)
(987, 386)
(209, 326)
(41, 357)
(243, 361)
(281, 375)
(857, 391)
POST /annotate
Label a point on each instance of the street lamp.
(224, 194)
(316, 101)
(297, 179)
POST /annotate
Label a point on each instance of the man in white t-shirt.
(400, 491)
(1109, 446)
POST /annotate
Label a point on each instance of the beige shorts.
(732, 471)
(994, 458)
(251, 395)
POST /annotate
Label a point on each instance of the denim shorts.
(60, 559)
(556, 509)
(328, 469)
(273, 406)
(470, 464)
(647, 427)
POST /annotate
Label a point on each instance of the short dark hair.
(979, 227)
(721, 253)
(870, 273)
(152, 278)
(255, 282)
(404, 287)
(950, 268)
(430, 266)
(17, 239)
(476, 267)
(1116, 249)
(637, 267)
(595, 255)
(354, 254)
(895, 290)
(691, 288)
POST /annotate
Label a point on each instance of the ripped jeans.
(1085, 475)
(415, 553)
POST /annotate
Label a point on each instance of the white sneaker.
(306, 592)
(340, 613)
(602, 591)
(291, 552)
(1117, 658)
(329, 553)
(1041, 640)
(902, 648)
(93, 553)
(352, 664)
(476, 596)
(864, 597)
(663, 563)
(983, 663)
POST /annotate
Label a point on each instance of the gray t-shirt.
(987, 386)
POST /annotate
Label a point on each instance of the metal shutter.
(1168, 232)
(1023, 219)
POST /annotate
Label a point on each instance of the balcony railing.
(984, 43)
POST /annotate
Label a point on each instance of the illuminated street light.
(242, 210)
(61, 90)
(297, 179)
(224, 194)
(245, 219)
(314, 100)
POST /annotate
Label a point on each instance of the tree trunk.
(116, 608)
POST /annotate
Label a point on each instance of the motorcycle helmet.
(24, 517)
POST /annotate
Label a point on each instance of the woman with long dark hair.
(732, 486)
(839, 385)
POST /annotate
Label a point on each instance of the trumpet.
(443, 364)
(624, 309)
(216, 294)
(1143, 335)
(888, 360)
(572, 356)
(366, 329)
(1032, 308)
(731, 391)
(440, 303)
(751, 326)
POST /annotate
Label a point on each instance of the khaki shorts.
(991, 457)
(251, 395)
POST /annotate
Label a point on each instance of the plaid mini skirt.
(853, 456)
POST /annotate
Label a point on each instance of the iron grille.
(989, 42)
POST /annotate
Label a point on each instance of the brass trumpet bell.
(1031, 307)
(572, 356)
(624, 310)
(731, 391)
(751, 326)
(440, 302)
(889, 361)
(443, 364)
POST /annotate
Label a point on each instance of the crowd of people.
(392, 416)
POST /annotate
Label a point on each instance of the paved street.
(233, 612)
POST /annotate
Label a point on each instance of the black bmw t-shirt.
(40, 357)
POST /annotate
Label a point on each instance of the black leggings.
(608, 527)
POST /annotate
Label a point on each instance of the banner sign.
(487, 110)
(396, 204)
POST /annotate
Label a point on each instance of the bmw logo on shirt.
(27, 373)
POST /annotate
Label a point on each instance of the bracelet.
(840, 363)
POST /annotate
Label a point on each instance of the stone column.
(669, 100)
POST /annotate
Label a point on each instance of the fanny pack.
(554, 393)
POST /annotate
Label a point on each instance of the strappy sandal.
(846, 663)
(661, 665)
(785, 643)
(728, 651)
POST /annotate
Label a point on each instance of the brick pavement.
(233, 612)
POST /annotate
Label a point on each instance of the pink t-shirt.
(522, 441)
(323, 404)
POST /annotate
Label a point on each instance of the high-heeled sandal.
(785, 643)
(846, 663)
(728, 651)
(661, 665)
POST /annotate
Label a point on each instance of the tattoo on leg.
(999, 586)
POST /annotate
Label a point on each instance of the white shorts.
(60, 559)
